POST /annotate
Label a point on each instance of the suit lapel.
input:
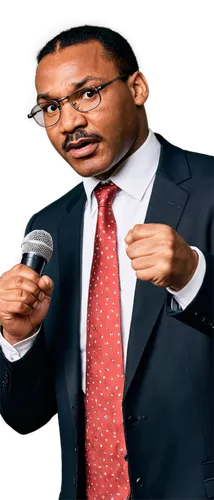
(70, 251)
(166, 206)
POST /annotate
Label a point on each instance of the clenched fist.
(160, 255)
(24, 301)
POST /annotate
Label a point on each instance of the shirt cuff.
(18, 350)
(188, 293)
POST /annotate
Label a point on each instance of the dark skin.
(117, 128)
(119, 121)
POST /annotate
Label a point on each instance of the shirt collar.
(135, 173)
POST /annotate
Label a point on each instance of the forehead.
(58, 70)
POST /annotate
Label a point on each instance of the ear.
(139, 88)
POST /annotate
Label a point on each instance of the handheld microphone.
(37, 250)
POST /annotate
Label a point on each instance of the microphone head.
(38, 242)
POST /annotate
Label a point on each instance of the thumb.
(46, 284)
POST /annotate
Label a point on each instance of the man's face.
(113, 126)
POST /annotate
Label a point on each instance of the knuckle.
(165, 228)
(21, 293)
(36, 304)
(22, 307)
(137, 229)
(169, 254)
(134, 264)
(169, 232)
(41, 296)
(36, 291)
(18, 268)
(171, 242)
(19, 280)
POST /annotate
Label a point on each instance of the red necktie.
(106, 469)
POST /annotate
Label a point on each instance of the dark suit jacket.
(168, 395)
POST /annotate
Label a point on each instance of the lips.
(82, 148)
(81, 143)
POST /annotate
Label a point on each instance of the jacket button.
(74, 481)
(134, 420)
(139, 481)
(131, 420)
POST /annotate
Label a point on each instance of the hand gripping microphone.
(37, 250)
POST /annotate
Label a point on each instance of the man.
(123, 352)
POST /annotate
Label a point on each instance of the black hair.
(116, 48)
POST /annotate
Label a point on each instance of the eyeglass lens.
(47, 113)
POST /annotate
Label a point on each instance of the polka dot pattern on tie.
(106, 469)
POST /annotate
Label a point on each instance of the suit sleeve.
(27, 395)
(199, 314)
(27, 389)
(28, 422)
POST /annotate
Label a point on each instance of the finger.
(22, 271)
(149, 274)
(142, 231)
(154, 275)
(15, 307)
(129, 237)
(46, 284)
(20, 283)
(20, 295)
(143, 263)
(142, 248)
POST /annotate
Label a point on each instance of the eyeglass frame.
(58, 101)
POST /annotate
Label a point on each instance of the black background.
(178, 51)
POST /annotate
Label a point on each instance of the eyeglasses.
(47, 113)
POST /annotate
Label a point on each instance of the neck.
(138, 143)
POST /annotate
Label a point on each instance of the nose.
(70, 118)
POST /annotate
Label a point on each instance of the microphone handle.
(35, 262)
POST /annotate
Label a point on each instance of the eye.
(49, 107)
(89, 94)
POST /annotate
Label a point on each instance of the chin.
(88, 168)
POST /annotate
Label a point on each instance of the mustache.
(79, 134)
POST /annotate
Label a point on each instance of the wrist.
(191, 269)
(13, 339)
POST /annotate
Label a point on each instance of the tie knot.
(105, 194)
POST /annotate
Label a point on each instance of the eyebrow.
(76, 85)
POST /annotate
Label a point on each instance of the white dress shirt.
(135, 178)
